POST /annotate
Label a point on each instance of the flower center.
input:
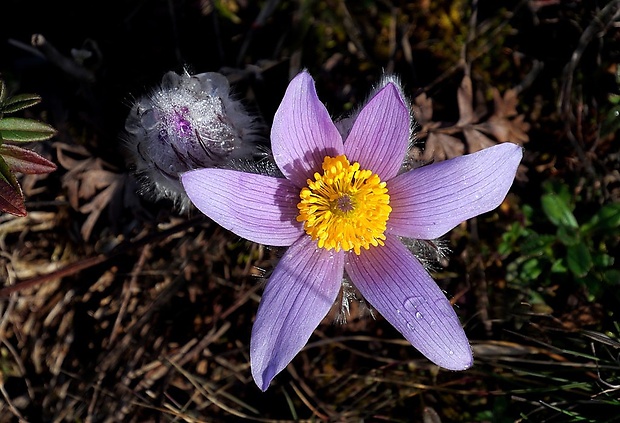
(346, 208)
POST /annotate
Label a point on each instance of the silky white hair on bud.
(187, 122)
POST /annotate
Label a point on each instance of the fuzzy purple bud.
(188, 122)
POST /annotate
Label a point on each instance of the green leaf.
(19, 102)
(579, 260)
(25, 161)
(536, 244)
(530, 270)
(528, 212)
(11, 196)
(559, 266)
(227, 12)
(602, 260)
(611, 276)
(511, 237)
(568, 235)
(606, 219)
(504, 248)
(3, 91)
(24, 130)
(559, 188)
(558, 211)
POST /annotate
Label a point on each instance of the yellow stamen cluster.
(346, 208)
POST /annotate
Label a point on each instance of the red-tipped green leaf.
(25, 161)
(24, 130)
(11, 196)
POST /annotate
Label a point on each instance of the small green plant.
(14, 159)
(560, 246)
(611, 124)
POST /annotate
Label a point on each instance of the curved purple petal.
(299, 294)
(395, 283)
(260, 208)
(429, 201)
(380, 135)
(303, 132)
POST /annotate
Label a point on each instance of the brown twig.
(128, 289)
(87, 263)
(69, 66)
(609, 14)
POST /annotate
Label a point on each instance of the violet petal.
(395, 283)
(380, 134)
(429, 201)
(300, 292)
(303, 132)
(260, 208)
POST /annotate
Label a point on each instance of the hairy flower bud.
(188, 122)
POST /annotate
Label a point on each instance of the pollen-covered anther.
(345, 208)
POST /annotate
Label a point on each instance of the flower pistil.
(345, 208)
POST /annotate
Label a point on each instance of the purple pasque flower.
(343, 207)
